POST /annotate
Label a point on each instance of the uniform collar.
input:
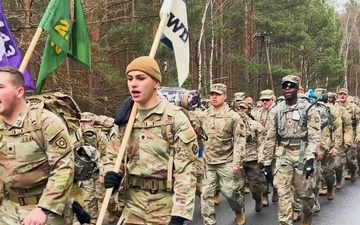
(159, 109)
(222, 112)
(19, 122)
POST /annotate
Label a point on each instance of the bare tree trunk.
(200, 41)
(212, 43)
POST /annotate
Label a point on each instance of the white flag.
(176, 35)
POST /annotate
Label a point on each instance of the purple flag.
(9, 51)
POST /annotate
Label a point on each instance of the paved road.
(343, 210)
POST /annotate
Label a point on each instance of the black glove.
(81, 215)
(124, 111)
(261, 166)
(112, 180)
(309, 167)
(176, 220)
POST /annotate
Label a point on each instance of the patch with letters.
(61, 142)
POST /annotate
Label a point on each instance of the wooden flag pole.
(31, 49)
(120, 156)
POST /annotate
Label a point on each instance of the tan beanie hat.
(147, 65)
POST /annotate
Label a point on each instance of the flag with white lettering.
(176, 35)
(9, 51)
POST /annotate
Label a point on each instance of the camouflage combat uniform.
(150, 195)
(226, 133)
(289, 134)
(252, 156)
(351, 151)
(34, 176)
(92, 189)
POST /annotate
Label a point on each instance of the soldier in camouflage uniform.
(253, 164)
(159, 176)
(36, 180)
(104, 162)
(296, 129)
(351, 151)
(346, 141)
(328, 155)
(267, 99)
(226, 140)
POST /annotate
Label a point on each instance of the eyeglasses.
(288, 85)
(265, 100)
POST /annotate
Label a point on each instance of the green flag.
(64, 39)
(80, 42)
(56, 21)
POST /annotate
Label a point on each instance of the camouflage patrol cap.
(344, 90)
(331, 94)
(246, 103)
(303, 96)
(291, 78)
(87, 117)
(218, 88)
(266, 94)
(239, 96)
(280, 98)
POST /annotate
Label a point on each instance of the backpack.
(106, 125)
(61, 105)
(187, 99)
(325, 115)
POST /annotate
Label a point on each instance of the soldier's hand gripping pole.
(164, 18)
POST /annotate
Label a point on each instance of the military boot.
(307, 220)
(275, 197)
(240, 217)
(347, 177)
(338, 185)
(217, 198)
(317, 206)
(265, 200)
(296, 216)
(330, 194)
(353, 177)
(323, 191)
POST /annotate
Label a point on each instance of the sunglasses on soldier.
(288, 85)
(265, 100)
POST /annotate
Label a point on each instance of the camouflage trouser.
(292, 184)
(255, 178)
(296, 205)
(329, 164)
(144, 208)
(231, 187)
(339, 164)
(200, 167)
(90, 200)
(13, 214)
(351, 159)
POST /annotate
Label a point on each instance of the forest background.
(241, 43)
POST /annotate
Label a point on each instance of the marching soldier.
(37, 179)
(226, 141)
(159, 175)
(295, 127)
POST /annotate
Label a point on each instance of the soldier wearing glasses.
(267, 99)
(294, 127)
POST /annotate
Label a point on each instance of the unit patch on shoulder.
(61, 142)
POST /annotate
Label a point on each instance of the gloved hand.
(124, 111)
(176, 220)
(309, 167)
(261, 165)
(81, 215)
(112, 180)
